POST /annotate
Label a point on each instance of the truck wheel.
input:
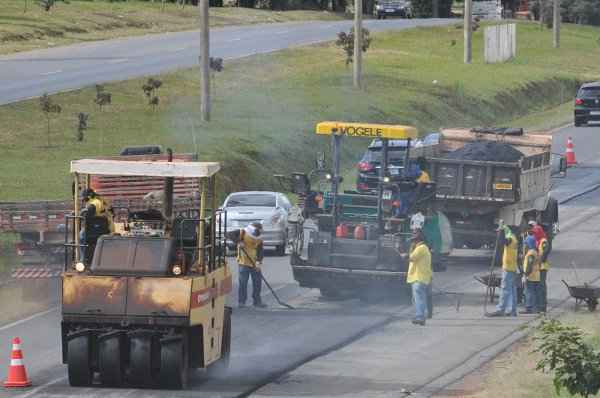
(140, 361)
(174, 363)
(219, 367)
(110, 360)
(79, 361)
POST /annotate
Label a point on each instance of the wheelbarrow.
(492, 281)
(584, 293)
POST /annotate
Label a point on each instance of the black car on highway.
(587, 104)
(385, 8)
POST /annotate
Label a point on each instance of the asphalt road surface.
(30, 74)
(348, 348)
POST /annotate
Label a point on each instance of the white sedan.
(268, 208)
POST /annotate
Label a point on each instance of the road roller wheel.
(219, 367)
(140, 361)
(79, 361)
(174, 363)
(110, 360)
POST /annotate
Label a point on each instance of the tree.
(150, 89)
(424, 8)
(48, 108)
(346, 42)
(102, 97)
(576, 365)
(82, 125)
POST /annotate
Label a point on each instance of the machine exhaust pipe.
(168, 190)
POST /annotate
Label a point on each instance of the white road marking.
(51, 73)
(235, 39)
(39, 388)
(118, 61)
(29, 318)
(178, 49)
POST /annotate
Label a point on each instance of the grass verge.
(513, 373)
(83, 20)
(266, 106)
(547, 119)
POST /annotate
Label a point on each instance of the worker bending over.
(508, 297)
(419, 274)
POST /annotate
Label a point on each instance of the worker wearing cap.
(419, 274)
(94, 206)
(508, 297)
(543, 252)
(250, 256)
(531, 271)
(537, 231)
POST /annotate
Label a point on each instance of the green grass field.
(84, 20)
(266, 106)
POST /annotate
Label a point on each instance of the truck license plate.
(394, 172)
(389, 10)
(387, 195)
(503, 186)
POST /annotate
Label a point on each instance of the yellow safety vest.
(251, 245)
(424, 178)
(419, 266)
(510, 255)
(102, 210)
(545, 265)
(534, 276)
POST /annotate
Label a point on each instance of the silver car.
(268, 208)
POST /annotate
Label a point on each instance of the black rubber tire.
(79, 361)
(592, 304)
(140, 361)
(174, 364)
(219, 368)
(110, 361)
(280, 250)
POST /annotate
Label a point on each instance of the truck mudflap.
(312, 276)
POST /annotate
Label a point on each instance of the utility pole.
(204, 61)
(468, 23)
(435, 8)
(357, 66)
(556, 24)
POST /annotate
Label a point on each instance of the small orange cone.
(570, 152)
(17, 375)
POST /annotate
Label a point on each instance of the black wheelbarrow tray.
(585, 292)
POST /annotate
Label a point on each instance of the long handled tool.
(489, 291)
(286, 305)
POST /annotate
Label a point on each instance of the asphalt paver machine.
(356, 241)
(145, 303)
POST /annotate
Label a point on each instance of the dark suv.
(385, 8)
(587, 104)
(370, 164)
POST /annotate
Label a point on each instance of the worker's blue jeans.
(531, 296)
(245, 273)
(542, 291)
(508, 296)
(419, 293)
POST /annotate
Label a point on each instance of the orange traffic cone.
(17, 375)
(570, 152)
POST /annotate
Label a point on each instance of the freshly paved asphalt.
(30, 74)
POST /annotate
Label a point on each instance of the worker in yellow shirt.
(531, 269)
(543, 251)
(419, 275)
(508, 295)
(423, 177)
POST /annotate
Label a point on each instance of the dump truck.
(354, 244)
(476, 194)
(40, 224)
(144, 302)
